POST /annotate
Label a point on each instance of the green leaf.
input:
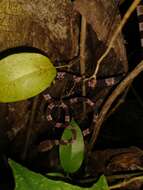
(71, 155)
(24, 75)
(101, 184)
(28, 180)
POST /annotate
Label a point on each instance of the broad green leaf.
(24, 75)
(28, 180)
(71, 155)
(101, 184)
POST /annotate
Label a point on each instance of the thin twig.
(82, 57)
(111, 178)
(126, 182)
(82, 45)
(69, 65)
(115, 35)
(71, 90)
(119, 89)
(123, 176)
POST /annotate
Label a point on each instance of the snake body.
(66, 109)
(91, 85)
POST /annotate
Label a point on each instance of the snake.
(91, 84)
(53, 104)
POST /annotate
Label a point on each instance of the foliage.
(28, 180)
(72, 154)
(24, 75)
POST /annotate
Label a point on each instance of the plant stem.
(123, 176)
(114, 37)
(119, 89)
(126, 182)
(82, 57)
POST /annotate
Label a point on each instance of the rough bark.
(49, 25)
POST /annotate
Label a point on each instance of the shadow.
(20, 49)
